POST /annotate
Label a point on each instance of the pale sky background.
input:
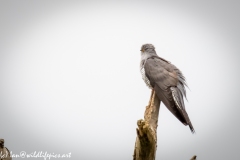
(70, 80)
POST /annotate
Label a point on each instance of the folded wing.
(169, 85)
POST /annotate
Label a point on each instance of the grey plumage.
(167, 81)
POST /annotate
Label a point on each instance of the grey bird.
(167, 81)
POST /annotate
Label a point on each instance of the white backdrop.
(70, 79)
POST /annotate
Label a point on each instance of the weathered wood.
(194, 158)
(4, 152)
(146, 141)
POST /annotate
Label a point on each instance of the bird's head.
(147, 48)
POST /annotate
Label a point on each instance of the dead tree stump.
(146, 141)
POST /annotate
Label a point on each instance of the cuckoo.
(167, 81)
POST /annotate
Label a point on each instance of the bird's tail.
(179, 103)
(189, 123)
(191, 127)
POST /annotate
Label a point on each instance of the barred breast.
(144, 77)
(144, 57)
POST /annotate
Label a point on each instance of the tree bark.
(146, 141)
(194, 158)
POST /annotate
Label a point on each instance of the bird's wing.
(161, 73)
(161, 78)
(168, 83)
